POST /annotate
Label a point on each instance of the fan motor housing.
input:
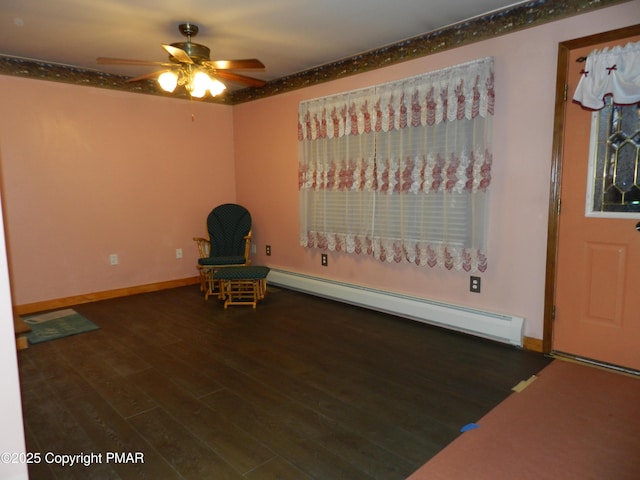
(197, 52)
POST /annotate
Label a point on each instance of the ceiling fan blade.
(239, 64)
(126, 61)
(235, 77)
(146, 76)
(177, 53)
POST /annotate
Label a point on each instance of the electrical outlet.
(113, 259)
(253, 248)
(474, 284)
(268, 250)
(324, 261)
(178, 253)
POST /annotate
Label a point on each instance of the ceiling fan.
(189, 66)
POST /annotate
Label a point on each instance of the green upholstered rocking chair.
(229, 242)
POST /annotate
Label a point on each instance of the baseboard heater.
(494, 326)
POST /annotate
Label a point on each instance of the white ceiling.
(288, 36)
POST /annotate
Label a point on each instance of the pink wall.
(89, 172)
(525, 64)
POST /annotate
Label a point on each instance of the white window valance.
(612, 71)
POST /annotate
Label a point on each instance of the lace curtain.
(401, 171)
(614, 72)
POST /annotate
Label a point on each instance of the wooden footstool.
(242, 285)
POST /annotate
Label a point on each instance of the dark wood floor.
(300, 388)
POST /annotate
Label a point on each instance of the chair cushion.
(241, 273)
(230, 260)
(228, 225)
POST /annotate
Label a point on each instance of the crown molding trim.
(490, 25)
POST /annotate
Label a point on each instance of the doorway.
(590, 310)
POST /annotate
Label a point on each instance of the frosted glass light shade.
(168, 81)
(216, 87)
(200, 84)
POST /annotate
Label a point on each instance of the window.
(401, 171)
(614, 165)
(610, 85)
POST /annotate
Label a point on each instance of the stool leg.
(241, 291)
(225, 292)
(207, 275)
(203, 279)
(256, 292)
(214, 287)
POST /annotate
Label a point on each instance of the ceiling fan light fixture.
(199, 84)
(190, 67)
(168, 81)
(216, 87)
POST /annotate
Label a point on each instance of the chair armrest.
(204, 246)
(247, 247)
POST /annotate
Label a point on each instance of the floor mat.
(57, 324)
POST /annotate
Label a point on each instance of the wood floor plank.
(59, 433)
(235, 446)
(277, 469)
(119, 444)
(364, 387)
(121, 359)
(301, 451)
(124, 395)
(52, 370)
(188, 455)
(36, 469)
(348, 445)
(299, 388)
(194, 380)
(303, 392)
(386, 434)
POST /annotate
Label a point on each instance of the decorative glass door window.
(613, 188)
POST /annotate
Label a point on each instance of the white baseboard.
(495, 326)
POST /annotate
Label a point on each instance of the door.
(597, 304)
